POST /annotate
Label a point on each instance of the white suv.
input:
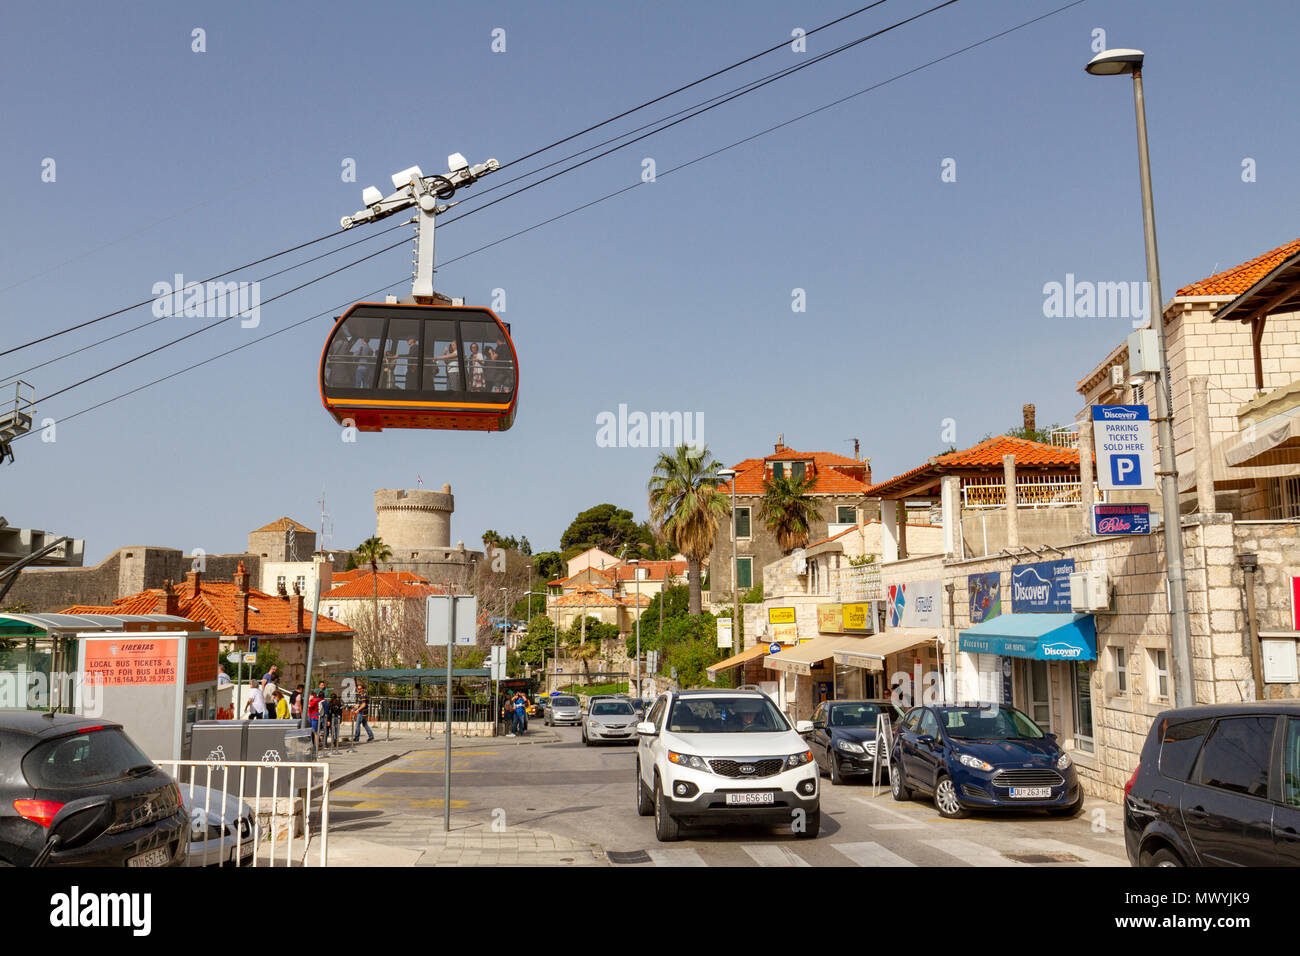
(714, 757)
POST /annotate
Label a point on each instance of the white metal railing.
(858, 583)
(1032, 491)
(226, 785)
(1065, 437)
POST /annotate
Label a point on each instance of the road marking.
(773, 854)
(684, 857)
(910, 824)
(871, 854)
(968, 851)
(1092, 857)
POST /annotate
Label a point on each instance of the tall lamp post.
(636, 574)
(1115, 63)
(737, 637)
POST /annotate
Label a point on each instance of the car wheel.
(667, 830)
(644, 805)
(834, 761)
(896, 785)
(812, 825)
(946, 802)
(1165, 858)
(1071, 811)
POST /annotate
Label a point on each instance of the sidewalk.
(475, 845)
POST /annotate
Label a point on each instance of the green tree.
(372, 551)
(548, 565)
(676, 604)
(609, 528)
(686, 504)
(538, 642)
(788, 510)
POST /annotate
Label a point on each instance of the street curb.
(362, 771)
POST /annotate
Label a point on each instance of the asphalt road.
(549, 781)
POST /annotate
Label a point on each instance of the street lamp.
(636, 574)
(1115, 63)
(737, 640)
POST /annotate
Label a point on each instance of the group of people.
(267, 700)
(489, 367)
(515, 713)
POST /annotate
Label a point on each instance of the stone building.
(416, 526)
(838, 487)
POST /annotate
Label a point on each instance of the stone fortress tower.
(416, 526)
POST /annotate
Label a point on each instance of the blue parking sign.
(1126, 471)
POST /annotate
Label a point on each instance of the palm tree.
(788, 510)
(372, 551)
(686, 505)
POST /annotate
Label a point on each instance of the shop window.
(744, 572)
(846, 514)
(742, 522)
(1083, 731)
(1158, 661)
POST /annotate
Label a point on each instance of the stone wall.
(1276, 545)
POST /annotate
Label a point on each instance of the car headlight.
(849, 746)
(1063, 762)
(687, 760)
(799, 759)
(968, 760)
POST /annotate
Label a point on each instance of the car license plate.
(750, 799)
(1031, 793)
(157, 857)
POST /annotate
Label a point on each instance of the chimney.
(192, 579)
(296, 612)
(240, 623)
(1028, 412)
(168, 603)
(780, 443)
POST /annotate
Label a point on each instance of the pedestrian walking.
(313, 715)
(363, 714)
(521, 715)
(255, 706)
(295, 704)
(335, 718)
(281, 705)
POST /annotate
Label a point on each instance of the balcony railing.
(860, 583)
(1065, 437)
(1032, 491)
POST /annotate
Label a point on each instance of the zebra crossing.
(939, 851)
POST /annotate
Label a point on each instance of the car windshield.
(725, 715)
(83, 760)
(992, 723)
(608, 707)
(854, 715)
(564, 702)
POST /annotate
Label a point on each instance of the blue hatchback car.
(985, 756)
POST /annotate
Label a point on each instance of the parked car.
(222, 829)
(609, 720)
(49, 760)
(1217, 785)
(563, 710)
(536, 706)
(717, 757)
(987, 756)
(843, 739)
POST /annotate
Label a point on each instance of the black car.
(49, 760)
(843, 740)
(1217, 785)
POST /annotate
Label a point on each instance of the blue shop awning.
(1041, 637)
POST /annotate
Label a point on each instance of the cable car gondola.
(397, 365)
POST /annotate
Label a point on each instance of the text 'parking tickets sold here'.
(1122, 437)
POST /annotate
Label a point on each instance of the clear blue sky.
(924, 298)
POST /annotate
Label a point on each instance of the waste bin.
(268, 742)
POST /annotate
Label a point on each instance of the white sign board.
(1121, 435)
(497, 662)
(437, 619)
(235, 657)
(724, 632)
(250, 658)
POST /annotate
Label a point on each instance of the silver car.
(610, 719)
(222, 829)
(563, 710)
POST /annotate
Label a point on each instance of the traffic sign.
(252, 645)
(438, 614)
(774, 648)
(235, 657)
(1122, 438)
(250, 658)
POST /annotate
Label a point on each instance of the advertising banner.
(133, 661)
(859, 619)
(1044, 586)
(1121, 519)
(830, 618)
(985, 596)
(916, 604)
(780, 615)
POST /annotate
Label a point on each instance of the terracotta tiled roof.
(284, 524)
(655, 570)
(835, 474)
(342, 577)
(1235, 281)
(586, 597)
(215, 606)
(391, 584)
(988, 454)
(631, 601)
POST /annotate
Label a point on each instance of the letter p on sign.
(1126, 470)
